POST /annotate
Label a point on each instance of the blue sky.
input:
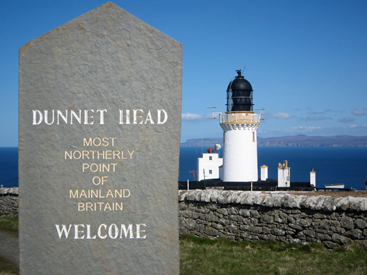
(306, 59)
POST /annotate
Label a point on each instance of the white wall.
(240, 155)
(264, 173)
(209, 163)
(284, 176)
(313, 178)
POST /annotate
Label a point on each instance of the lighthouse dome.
(239, 95)
(239, 84)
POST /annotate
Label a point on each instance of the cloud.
(312, 112)
(190, 116)
(357, 130)
(359, 112)
(307, 109)
(280, 115)
(304, 129)
(290, 131)
(332, 111)
(316, 113)
(346, 119)
(317, 118)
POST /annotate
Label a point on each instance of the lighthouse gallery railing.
(239, 118)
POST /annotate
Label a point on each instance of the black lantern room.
(239, 95)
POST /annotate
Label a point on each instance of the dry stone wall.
(9, 202)
(280, 217)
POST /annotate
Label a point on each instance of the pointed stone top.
(106, 14)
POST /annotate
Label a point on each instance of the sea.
(347, 165)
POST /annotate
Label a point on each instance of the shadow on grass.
(8, 267)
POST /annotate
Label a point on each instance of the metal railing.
(239, 118)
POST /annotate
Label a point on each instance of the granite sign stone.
(100, 119)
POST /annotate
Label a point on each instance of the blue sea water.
(346, 165)
(333, 165)
(9, 166)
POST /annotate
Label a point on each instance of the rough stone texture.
(280, 217)
(9, 202)
(241, 222)
(13, 191)
(109, 60)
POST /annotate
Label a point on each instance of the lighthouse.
(239, 124)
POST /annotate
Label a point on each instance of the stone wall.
(281, 217)
(9, 202)
(238, 215)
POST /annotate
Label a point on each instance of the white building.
(313, 178)
(284, 175)
(264, 173)
(208, 165)
(240, 125)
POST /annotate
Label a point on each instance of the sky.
(306, 60)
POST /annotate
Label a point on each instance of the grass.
(202, 256)
(8, 267)
(9, 225)
(222, 256)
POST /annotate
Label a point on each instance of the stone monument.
(100, 119)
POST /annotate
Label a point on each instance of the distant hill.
(290, 141)
(205, 142)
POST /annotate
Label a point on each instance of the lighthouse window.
(253, 136)
(210, 172)
(210, 158)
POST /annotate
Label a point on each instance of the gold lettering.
(81, 206)
(94, 194)
(83, 194)
(74, 195)
(85, 154)
(89, 205)
(99, 167)
(107, 207)
(109, 194)
(108, 154)
(116, 154)
(131, 153)
(68, 155)
(127, 193)
(99, 193)
(119, 205)
(100, 206)
(118, 193)
(87, 142)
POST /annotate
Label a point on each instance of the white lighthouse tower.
(240, 125)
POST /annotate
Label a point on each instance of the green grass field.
(7, 267)
(203, 256)
(9, 225)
